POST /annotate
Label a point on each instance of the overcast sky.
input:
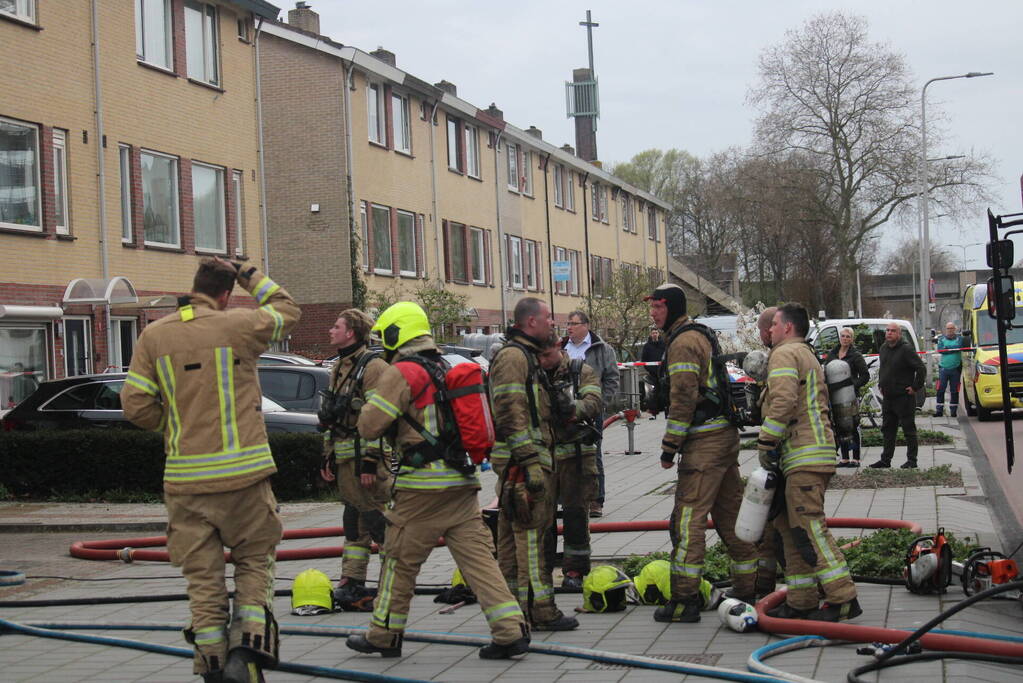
(675, 73)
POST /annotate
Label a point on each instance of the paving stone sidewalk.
(634, 492)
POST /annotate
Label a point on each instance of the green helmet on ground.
(401, 323)
(604, 589)
(311, 593)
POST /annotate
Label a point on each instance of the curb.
(1008, 529)
(90, 527)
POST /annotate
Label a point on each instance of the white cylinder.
(843, 399)
(756, 503)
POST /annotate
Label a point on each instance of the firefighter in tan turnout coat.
(193, 377)
(363, 472)
(433, 497)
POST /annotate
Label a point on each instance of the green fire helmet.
(311, 594)
(401, 322)
(654, 583)
(604, 589)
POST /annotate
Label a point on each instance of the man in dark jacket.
(599, 355)
(902, 374)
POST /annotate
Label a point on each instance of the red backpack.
(463, 411)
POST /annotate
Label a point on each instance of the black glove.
(667, 457)
(534, 477)
(564, 405)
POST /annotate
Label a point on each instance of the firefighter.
(707, 446)
(433, 496)
(193, 377)
(522, 460)
(363, 473)
(796, 439)
(576, 404)
(769, 547)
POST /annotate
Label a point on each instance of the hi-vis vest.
(193, 376)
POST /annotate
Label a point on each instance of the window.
(526, 182)
(531, 264)
(407, 243)
(153, 32)
(560, 286)
(160, 199)
(77, 346)
(208, 208)
(595, 203)
(515, 261)
(364, 223)
(573, 257)
(243, 29)
(559, 181)
(400, 123)
(477, 244)
(237, 184)
(512, 152)
(600, 275)
(19, 176)
(20, 9)
(382, 240)
(457, 250)
(123, 331)
(60, 185)
(124, 155)
(376, 121)
(88, 396)
(570, 192)
(628, 216)
(456, 162)
(651, 224)
(472, 151)
(201, 42)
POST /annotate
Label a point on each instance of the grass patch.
(871, 437)
(866, 478)
(111, 496)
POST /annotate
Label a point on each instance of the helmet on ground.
(653, 583)
(400, 323)
(737, 615)
(604, 589)
(311, 593)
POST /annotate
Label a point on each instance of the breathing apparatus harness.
(336, 407)
(580, 431)
(715, 395)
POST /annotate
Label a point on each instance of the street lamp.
(964, 247)
(925, 247)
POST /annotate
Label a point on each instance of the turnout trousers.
(575, 487)
(363, 517)
(708, 484)
(199, 527)
(521, 542)
(414, 523)
(812, 557)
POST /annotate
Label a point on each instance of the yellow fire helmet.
(604, 589)
(654, 583)
(401, 322)
(311, 594)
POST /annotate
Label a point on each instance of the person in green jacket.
(950, 369)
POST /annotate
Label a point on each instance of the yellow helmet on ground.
(654, 583)
(311, 593)
(604, 589)
(401, 322)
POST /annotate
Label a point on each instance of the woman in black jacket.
(848, 352)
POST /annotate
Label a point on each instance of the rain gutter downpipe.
(433, 188)
(262, 161)
(500, 232)
(349, 83)
(547, 217)
(101, 174)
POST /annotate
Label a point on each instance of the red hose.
(870, 634)
(131, 549)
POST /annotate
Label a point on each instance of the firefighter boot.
(359, 643)
(512, 649)
(836, 612)
(684, 610)
(242, 667)
(786, 611)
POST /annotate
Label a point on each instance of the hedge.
(51, 463)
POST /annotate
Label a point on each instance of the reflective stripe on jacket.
(193, 375)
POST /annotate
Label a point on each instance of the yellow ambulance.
(982, 383)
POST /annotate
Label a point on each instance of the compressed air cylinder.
(756, 503)
(843, 398)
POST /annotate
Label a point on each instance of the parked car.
(296, 387)
(86, 401)
(284, 358)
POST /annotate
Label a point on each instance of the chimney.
(384, 56)
(568, 148)
(302, 17)
(494, 112)
(447, 87)
(535, 132)
(585, 126)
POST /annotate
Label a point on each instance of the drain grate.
(704, 660)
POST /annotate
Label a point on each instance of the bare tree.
(905, 257)
(619, 313)
(848, 106)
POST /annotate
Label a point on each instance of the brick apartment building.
(119, 166)
(434, 187)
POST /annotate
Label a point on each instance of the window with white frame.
(124, 335)
(512, 154)
(160, 199)
(407, 243)
(153, 32)
(526, 170)
(602, 195)
(124, 156)
(364, 234)
(628, 216)
(531, 265)
(457, 248)
(515, 261)
(573, 257)
(19, 9)
(477, 245)
(60, 182)
(237, 196)
(570, 192)
(472, 151)
(651, 224)
(202, 42)
(401, 123)
(559, 181)
(376, 120)
(208, 208)
(77, 346)
(455, 160)
(19, 176)
(382, 262)
(595, 190)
